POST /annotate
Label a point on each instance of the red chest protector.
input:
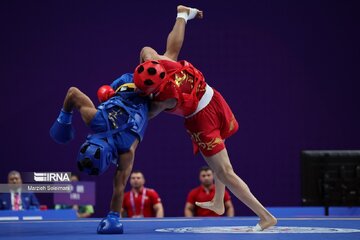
(184, 83)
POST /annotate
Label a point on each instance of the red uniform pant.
(211, 126)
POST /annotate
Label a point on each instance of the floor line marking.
(15, 218)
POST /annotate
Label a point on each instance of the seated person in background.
(205, 192)
(15, 199)
(141, 201)
(82, 211)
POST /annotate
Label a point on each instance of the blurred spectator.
(204, 193)
(141, 201)
(15, 199)
(82, 211)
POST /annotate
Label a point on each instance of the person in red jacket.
(204, 193)
(179, 88)
(141, 201)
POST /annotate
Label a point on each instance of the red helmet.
(148, 76)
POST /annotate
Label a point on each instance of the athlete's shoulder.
(125, 78)
(196, 190)
(150, 190)
(127, 194)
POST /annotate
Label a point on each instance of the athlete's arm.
(229, 209)
(189, 209)
(159, 210)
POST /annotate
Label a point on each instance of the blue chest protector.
(118, 122)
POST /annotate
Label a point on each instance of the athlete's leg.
(62, 130)
(80, 101)
(175, 38)
(220, 164)
(148, 53)
(112, 224)
(123, 171)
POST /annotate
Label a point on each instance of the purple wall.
(288, 69)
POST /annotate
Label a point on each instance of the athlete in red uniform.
(179, 88)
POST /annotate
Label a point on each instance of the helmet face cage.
(95, 157)
(148, 76)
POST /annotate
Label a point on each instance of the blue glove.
(62, 130)
(111, 224)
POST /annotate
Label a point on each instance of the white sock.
(192, 14)
(182, 15)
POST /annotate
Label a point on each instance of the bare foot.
(218, 208)
(267, 222)
(190, 11)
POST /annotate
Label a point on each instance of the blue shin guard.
(111, 224)
(62, 130)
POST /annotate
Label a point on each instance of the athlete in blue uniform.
(118, 123)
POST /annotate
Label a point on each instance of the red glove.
(105, 92)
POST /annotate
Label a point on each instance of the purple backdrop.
(288, 69)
